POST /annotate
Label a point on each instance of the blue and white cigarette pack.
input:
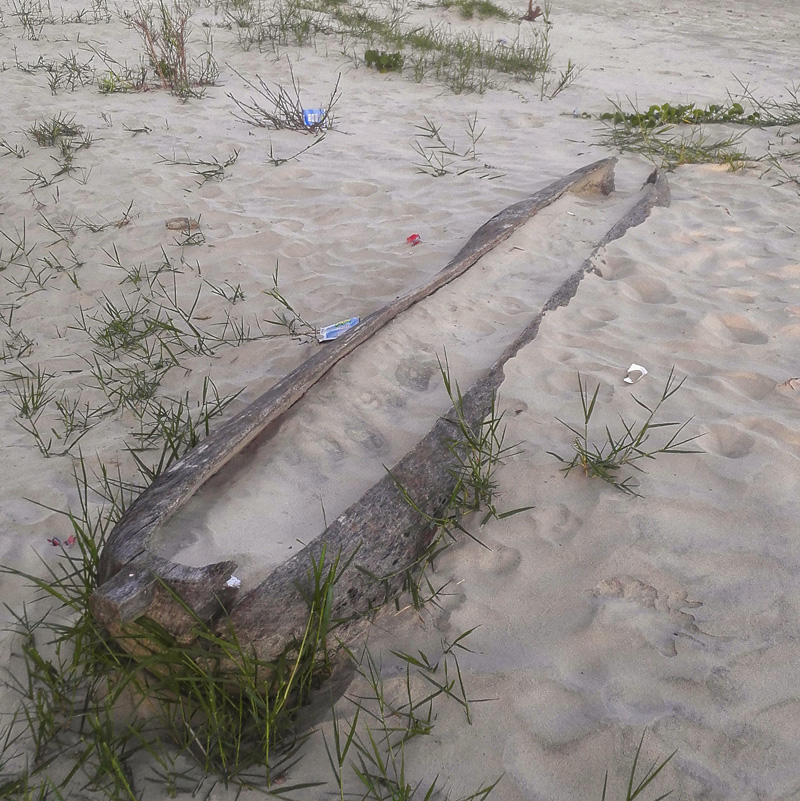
(313, 116)
(329, 332)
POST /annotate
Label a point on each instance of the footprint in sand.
(612, 268)
(359, 189)
(728, 441)
(656, 616)
(498, 560)
(415, 375)
(735, 328)
(557, 524)
(751, 385)
(649, 290)
(369, 439)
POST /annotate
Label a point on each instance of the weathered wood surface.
(381, 528)
(134, 578)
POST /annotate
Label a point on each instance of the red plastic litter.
(414, 239)
(55, 541)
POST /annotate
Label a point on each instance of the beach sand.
(596, 615)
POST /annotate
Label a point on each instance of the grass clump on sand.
(281, 109)
(463, 60)
(744, 108)
(476, 452)
(651, 132)
(615, 452)
(102, 717)
(384, 62)
(437, 158)
(659, 143)
(483, 8)
(209, 710)
(636, 788)
(164, 31)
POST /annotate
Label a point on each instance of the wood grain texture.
(383, 531)
(384, 528)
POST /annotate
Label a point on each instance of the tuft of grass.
(688, 114)
(164, 30)
(483, 8)
(636, 788)
(464, 61)
(213, 170)
(281, 109)
(55, 130)
(552, 87)
(437, 158)
(626, 449)
(476, 453)
(6, 149)
(376, 747)
(666, 149)
(32, 16)
(31, 390)
(384, 62)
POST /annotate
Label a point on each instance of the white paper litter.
(635, 372)
(233, 582)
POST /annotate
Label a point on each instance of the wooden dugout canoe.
(384, 530)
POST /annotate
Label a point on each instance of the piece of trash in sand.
(791, 383)
(314, 116)
(503, 41)
(329, 332)
(182, 224)
(68, 542)
(234, 582)
(635, 372)
(414, 239)
(532, 13)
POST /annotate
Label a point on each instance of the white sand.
(590, 628)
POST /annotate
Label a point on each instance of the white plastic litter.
(329, 332)
(635, 372)
(233, 582)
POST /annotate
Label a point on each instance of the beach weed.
(164, 30)
(687, 114)
(16, 345)
(377, 746)
(213, 170)
(552, 87)
(31, 390)
(760, 113)
(469, 8)
(282, 109)
(384, 62)
(438, 158)
(617, 451)
(32, 16)
(276, 161)
(475, 453)
(634, 788)
(18, 151)
(465, 61)
(19, 252)
(55, 130)
(666, 149)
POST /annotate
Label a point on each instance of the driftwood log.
(381, 527)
